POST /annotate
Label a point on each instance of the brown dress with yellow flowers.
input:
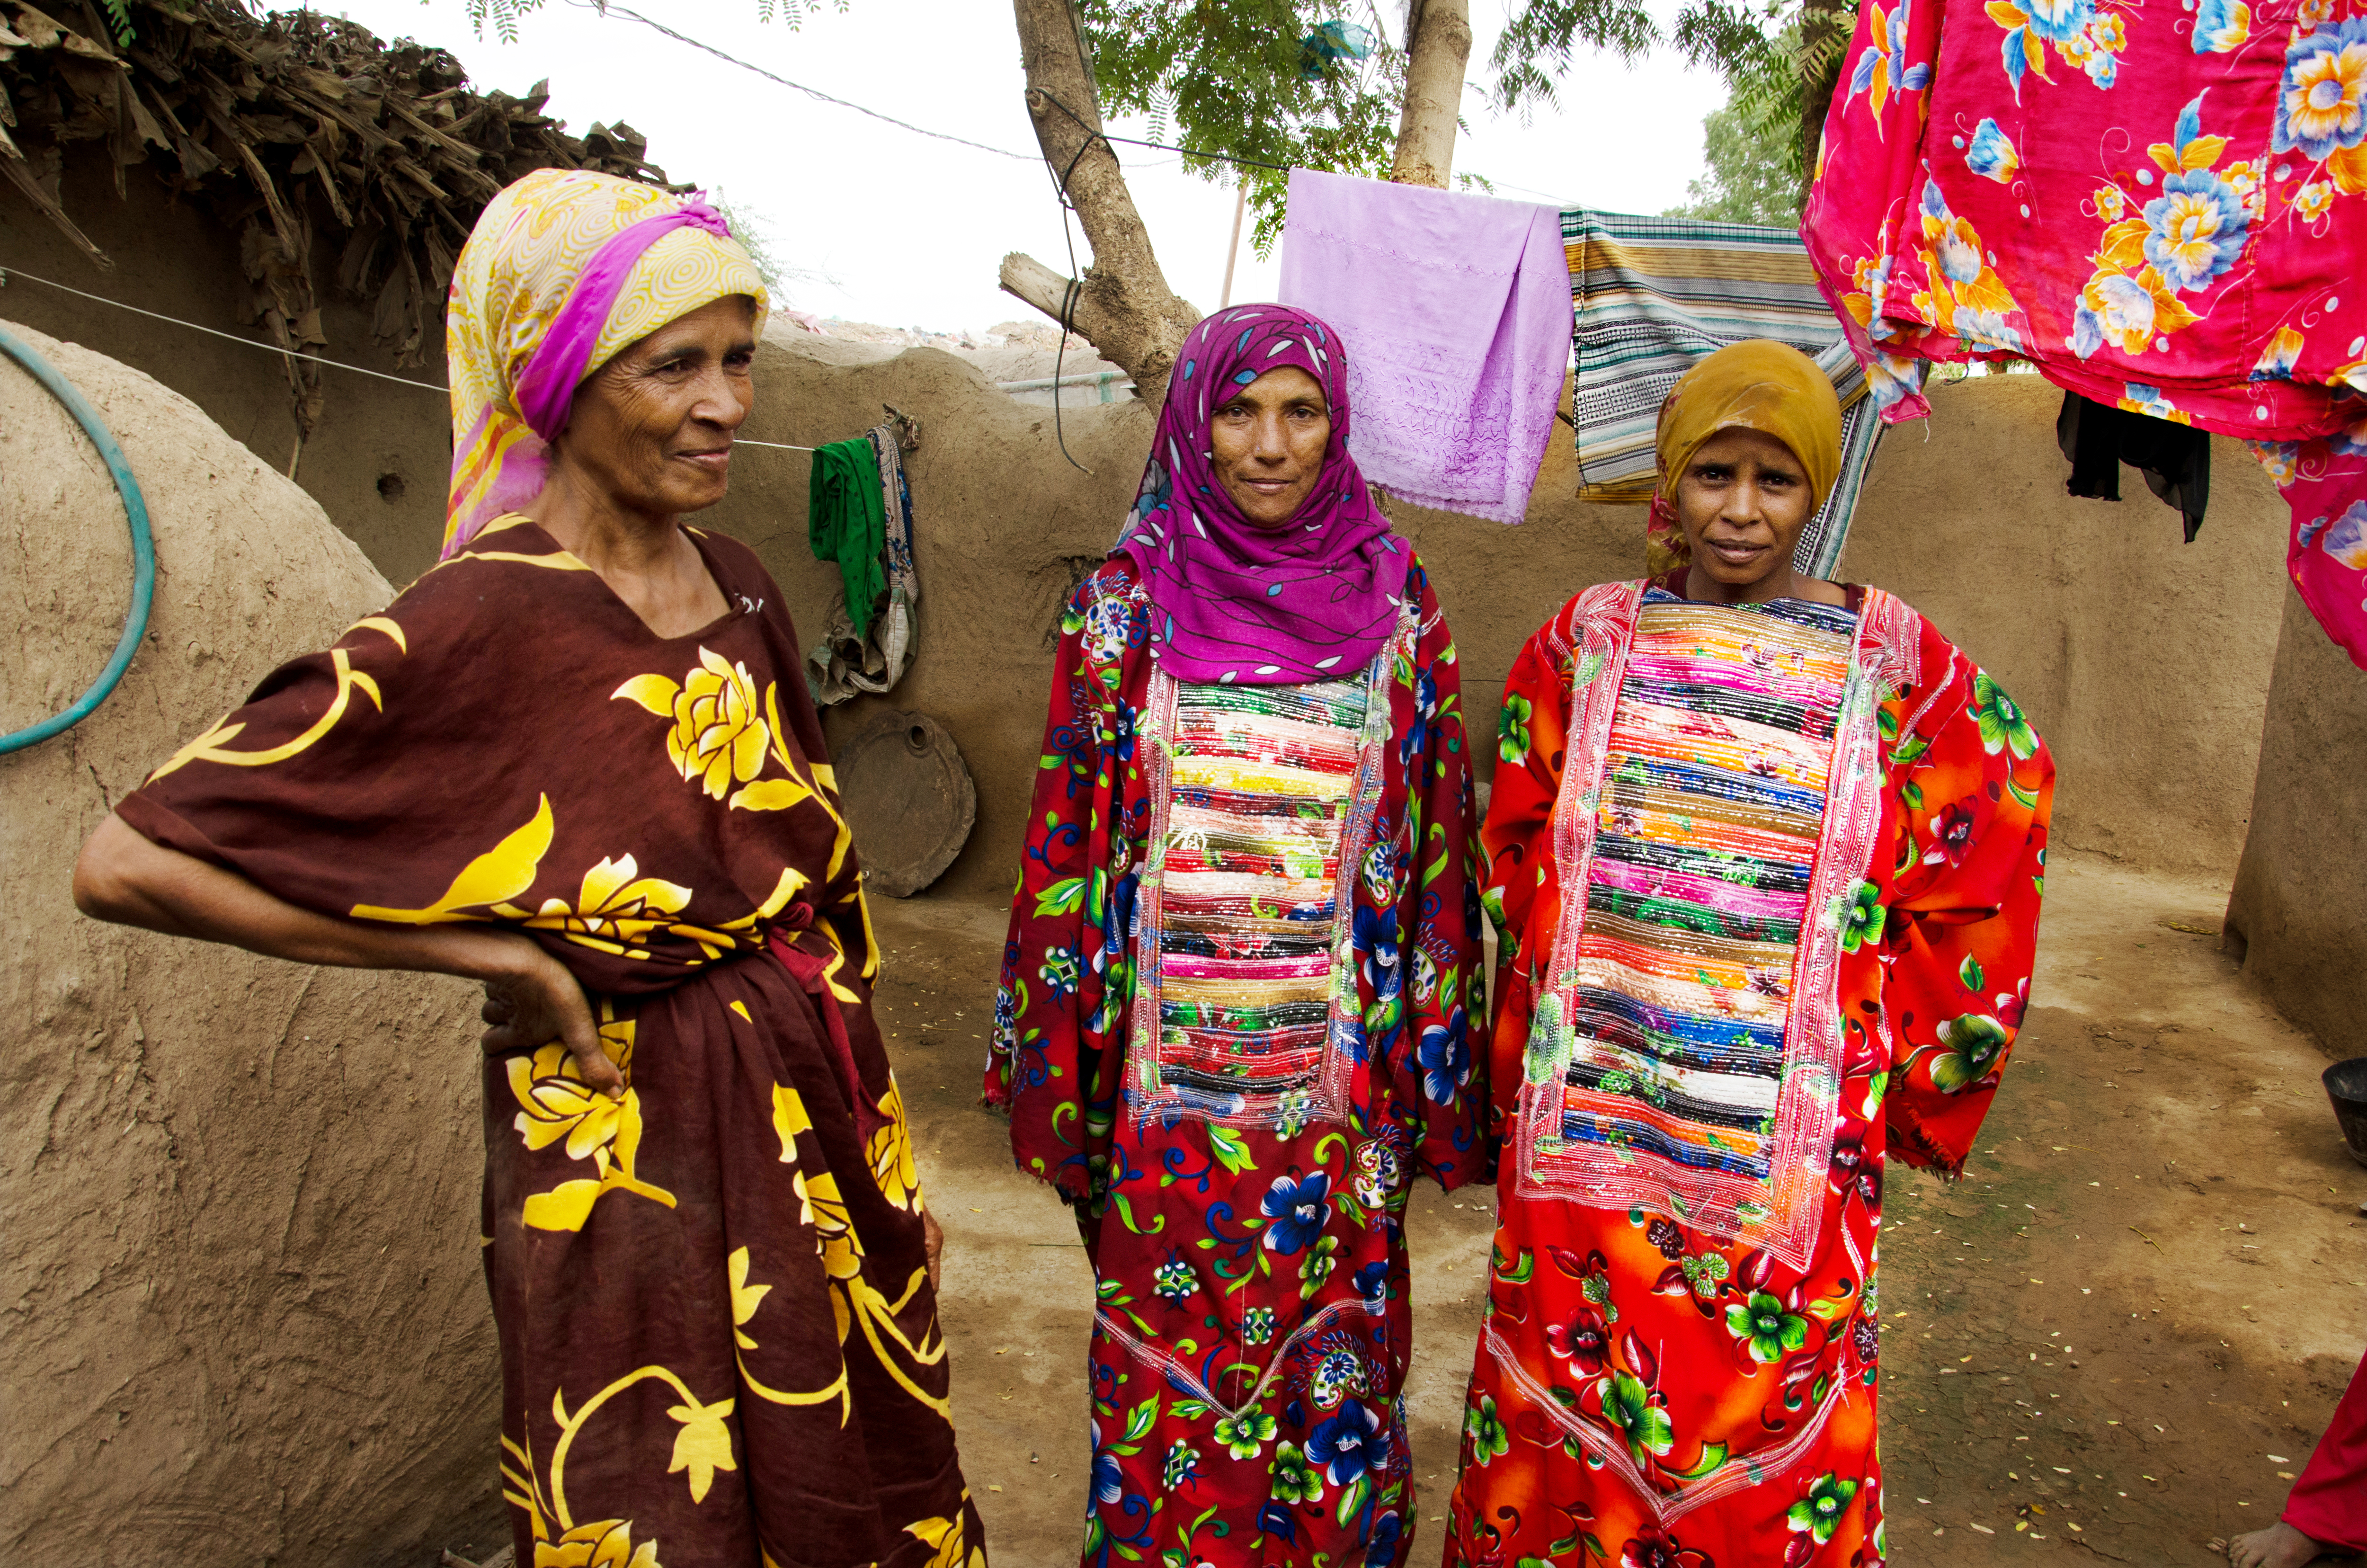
(719, 1344)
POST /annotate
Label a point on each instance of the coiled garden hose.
(143, 547)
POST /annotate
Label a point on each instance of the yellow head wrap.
(1755, 385)
(564, 269)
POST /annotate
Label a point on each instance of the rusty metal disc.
(909, 800)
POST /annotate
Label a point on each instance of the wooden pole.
(1233, 252)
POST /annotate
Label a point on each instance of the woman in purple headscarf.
(1241, 989)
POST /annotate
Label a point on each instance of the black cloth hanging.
(2098, 439)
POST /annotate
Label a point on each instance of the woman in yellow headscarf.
(1765, 858)
(576, 760)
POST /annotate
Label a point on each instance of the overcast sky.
(908, 231)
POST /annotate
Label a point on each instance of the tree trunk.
(1438, 46)
(1123, 307)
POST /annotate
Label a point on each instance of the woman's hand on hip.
(541, 1002)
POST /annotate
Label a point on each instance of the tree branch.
(1125, 308)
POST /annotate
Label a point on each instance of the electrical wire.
(8, 273)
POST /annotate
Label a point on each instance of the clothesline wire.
(608, 8)
(8, 273)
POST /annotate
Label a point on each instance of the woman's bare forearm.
(125, 877)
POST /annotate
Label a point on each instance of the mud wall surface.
(2144, 661)
(2299, 910)
(246, 1321)
(379, 455)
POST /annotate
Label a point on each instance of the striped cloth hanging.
(1652, 295)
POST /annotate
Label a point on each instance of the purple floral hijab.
(1232, 602)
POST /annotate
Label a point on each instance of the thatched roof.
(334, 157)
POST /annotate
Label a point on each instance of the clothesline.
(8, 273)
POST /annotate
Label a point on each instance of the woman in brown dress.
(576, 761)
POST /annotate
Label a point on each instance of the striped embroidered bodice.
(1261, 783)
(1705, 841)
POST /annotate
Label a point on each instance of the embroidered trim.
(1329, 1097)
(1183, 1381)
(1609, 1448)
(1786, 1219)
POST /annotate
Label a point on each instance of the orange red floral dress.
(1767, 879)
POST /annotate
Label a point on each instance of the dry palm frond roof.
(336, 158)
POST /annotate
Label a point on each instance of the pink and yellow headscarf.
(564, 269)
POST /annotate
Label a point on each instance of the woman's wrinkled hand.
(932, 1241)
(539, 1003)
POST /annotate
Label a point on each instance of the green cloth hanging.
(846, 521)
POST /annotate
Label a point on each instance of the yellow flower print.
(718, 734)
(2314, 200)
(892, 1165)
(789, 1119)
(555, 1103)
(616, 909)
(945, 1539)
(820, 1205)
(2110, 203)
(704, 1444)
(745, 1298)
(604, 1543)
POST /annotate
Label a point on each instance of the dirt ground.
(2119, 1336)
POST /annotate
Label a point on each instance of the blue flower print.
(1416, 739)
(1372, 1281)
(1381, 1548)
(2321, 106)
(1376, 939)
(1882, 70)
(2221, 26)
(2346, 538)
(1336, 1376)
(1298, 1210)
(1992, 153)
(2059, 21)
(1348, 1443)
(1107, 1482)
(1446, 1057)
(2196, 228)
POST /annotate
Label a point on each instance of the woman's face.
(1269, 439)
(1742, 502)
(652, 429)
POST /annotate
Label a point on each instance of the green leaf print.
(1513, 730)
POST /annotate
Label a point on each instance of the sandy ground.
(2117, 1337)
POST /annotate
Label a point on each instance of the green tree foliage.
(1752, 173)
(1235, 77)
(1779, 59)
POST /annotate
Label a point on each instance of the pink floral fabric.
(2162, 207)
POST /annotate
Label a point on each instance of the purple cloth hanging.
(1455, 312)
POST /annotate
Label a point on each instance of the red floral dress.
(1768, 881)
(1238, 1149)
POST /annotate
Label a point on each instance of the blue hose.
(143, 547)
